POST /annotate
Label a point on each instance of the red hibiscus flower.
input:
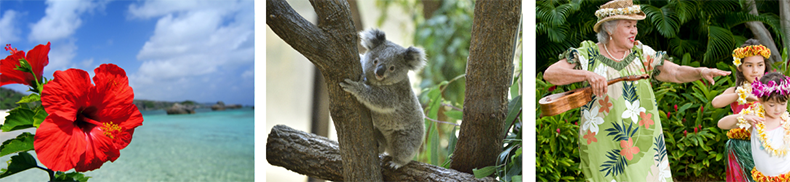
(87, 125)
(628, 150)
(37, 57)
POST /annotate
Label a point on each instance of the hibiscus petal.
(98, 150)
(66, 93)
(112, 87)
(58, 144)
(8, 74)
(37, 57)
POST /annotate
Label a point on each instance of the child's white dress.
(763, 161)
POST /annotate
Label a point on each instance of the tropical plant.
(707, 30)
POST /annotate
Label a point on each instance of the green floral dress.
(620, 134)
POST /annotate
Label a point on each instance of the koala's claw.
(395, 165)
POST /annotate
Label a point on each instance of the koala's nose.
(381, 69)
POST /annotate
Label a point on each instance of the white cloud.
(60, 55)
(61, 20)
(197, 46)
(10, 32)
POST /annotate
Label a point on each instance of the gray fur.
(386, 91)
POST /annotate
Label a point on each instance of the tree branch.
(489, 73)
(331, 46)
(317, 156)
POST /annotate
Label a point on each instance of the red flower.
(37, 57)
(685, 132)
(676, 107)
(628, 149)
(606, 104)
(646, 119)
(668, 113)
(87, 125)
(696, 129)
(551, 89)
(590, 136)
(558, 130)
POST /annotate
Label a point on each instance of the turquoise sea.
(206, 146)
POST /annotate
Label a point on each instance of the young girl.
(769, 126)
(750, 62)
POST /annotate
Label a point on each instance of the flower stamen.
(110, 129)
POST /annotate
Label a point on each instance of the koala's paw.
(351, 86)
(396, 165)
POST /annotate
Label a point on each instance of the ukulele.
(558, 103)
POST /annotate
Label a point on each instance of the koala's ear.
(372, 38)
(415, 58)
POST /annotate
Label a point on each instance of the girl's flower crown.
(760, 89)
(749, 51)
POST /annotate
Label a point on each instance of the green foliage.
(699, 154)
(23, 142)
(706, 30)
(23, 117)
(557, 150)
(18, 163)
(8, 98)
(72, 176)
(445, 38)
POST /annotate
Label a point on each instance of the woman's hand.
(709, 73)
(597, 82)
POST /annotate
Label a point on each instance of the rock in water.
(180, 109)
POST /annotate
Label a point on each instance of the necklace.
(610, 54)
(764, 140)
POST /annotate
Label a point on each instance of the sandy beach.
(12, 134)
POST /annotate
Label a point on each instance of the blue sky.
(201, 50)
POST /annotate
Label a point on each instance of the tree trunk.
(784, 17)
(430, 6)
(489, 73)
(762, 34)
(331, 46)
(319, 157)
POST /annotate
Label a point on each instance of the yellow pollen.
(110, 129)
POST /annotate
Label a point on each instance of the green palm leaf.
(547, 12)
(720, 43)
(663, 19)
(680, 46)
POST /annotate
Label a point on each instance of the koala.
(385, 89)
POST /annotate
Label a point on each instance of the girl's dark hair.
(778, 78)
(739, 78)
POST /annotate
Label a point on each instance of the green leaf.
(453, 140)
(18, 118)
(517, 178)
(18, 163)
(513, 110)
(454, 114)
(41, 114)
(72, 176)
(486, 171)
(434, 137)
(30, 98)
(21, 143)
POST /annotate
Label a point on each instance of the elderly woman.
(620, 137)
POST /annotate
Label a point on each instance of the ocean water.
(206, 146)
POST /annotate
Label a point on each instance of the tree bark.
(430, 6)
(489, 73)
(762, 34)
(331, 46)
(784, 17)
(317, 156)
